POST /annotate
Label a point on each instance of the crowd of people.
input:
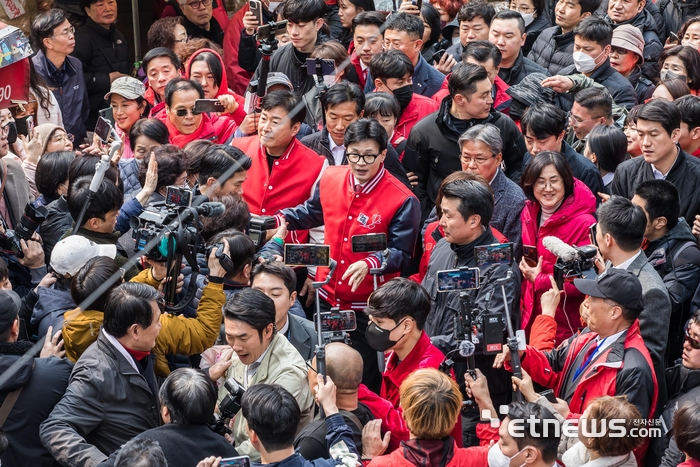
(508, 195)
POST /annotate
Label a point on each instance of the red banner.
(14, 83)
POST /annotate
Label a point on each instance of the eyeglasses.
(522, 10)
(368, 158)
(183, 112)
(618, 50)
(63, 136)
(554, 184)
(184, 41)
(577, 120)
(310, 367)
(478, 160)
(196, 5)
(694, 343)
(66, 33)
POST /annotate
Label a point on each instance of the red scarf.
(205, 131)
(137, 354)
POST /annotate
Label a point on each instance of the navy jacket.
(426, 79)
(620, 88)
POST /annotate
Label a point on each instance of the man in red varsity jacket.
(356, 199)
(284, 172)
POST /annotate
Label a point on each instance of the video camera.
(229, 406)
(29, 222)
(259, 225)
(572, 262)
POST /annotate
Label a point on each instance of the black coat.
(521, 68)
(101, 51)
(533, 31)
(653, 46)
(620, 88)
(433, 152)
(57, 223)
(553, 51)
(643, 87)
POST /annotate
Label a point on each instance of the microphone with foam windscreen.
(466, 348)
(560, 249)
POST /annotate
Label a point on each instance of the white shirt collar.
(626, 264)
(363, 67)
(253, 368)
(338, 151)
(608, 341)
(494, 176)
(283, 331)
(122, 350)
(608, 177)
(662, 176)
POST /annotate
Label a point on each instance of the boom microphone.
(466, 348)
(560, 249)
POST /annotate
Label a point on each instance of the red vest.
(347, 213)
(290, 183)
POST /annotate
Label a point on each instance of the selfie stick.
(322, 88)
(100, 169)
(267, 48)
(512, 341)
(320, 350)
(381, 362)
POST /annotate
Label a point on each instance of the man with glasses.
(544, 127)
(199, 20)
(55, 37)
(592, 107)
(356, 199)
(102, 50)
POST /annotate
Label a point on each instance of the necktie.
(364, 74)
(590, 353)
(358, 188)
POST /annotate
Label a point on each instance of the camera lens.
(31, 219)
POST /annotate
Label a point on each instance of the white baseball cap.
(70, 254)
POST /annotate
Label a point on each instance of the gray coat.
(106, 404)
(509, 201)
(302, 335)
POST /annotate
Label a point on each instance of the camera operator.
(36, 387)
(216, 162)
(262, 356)
(187, 402)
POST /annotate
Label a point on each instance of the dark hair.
(382, 103)
(410, 24)
(594, 29)
(290, 102)
(686, 429)
(474, 198)
(676, 87)
(196, 150)
(589, 6)
(535, 167)
(464, 77)
(85, 166)
(390, 64)
(189, 395)
(181, 84)
(343, 92)
(475, 9)
(95, 273)
(213, 63)
(690, 58)
(171, 164)
(368, 18)
(543, 120)
(687, 24)
(512, 14)
(107, 198)
(4, 271)
(219, 160)
(366, 129)
(482, 52)
(160, 52)
(160, 34)
(609, 144)
(332, 50)
(365, 5)
(431, 16)
(624, 221)
(304, 11)
(632, 115)
(241, 247)
(538, 433)
(459, 175)
(151, 128)
(661, 199)
(661, 111)
(141, 452)
(277, 269)
(235, 216)
(129, 304)
(253, 308)
(398, 299)
(44, 24)
(597, 101)
(52, 171)
(618, 408)
(273, 414)
(689, 107)
(40, 89)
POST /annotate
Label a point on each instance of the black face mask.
(379, 339)
(21, 125)
(12, 134)
(403, 95)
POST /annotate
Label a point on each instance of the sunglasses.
(694, 343)
(183, 112)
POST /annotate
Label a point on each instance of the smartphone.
(240, 461)
(208, 105)
(549, 395)
(307, 255)
(673, 38)
(178, 196)
(103, 129)
(107, 114)
(270, 29)
(30, 127)
(338, 321)
(251, 96)
(437, 56)
(418, 3)
(530, 255)
(497, 253)
(327, 66)
(458, 279)
(368, 243)
(256, 9)
(594, 233)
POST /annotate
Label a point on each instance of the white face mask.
(455, 40)
(273, 6)
(528, 18)
(496, 458)
(584, 63)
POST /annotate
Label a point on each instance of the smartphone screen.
(103, 129)
(307, 255)
(458, 279)
(241, 461)
(530, 255)
(327, 66)
(208, 105)
(498, 253)
(337, 321)
(368, 243)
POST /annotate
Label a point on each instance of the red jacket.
(387, 405)
(623, 368)
(419, 107)
(238, 78)
(217, 129)
(570, 224)
(291, 182)
(501, 101)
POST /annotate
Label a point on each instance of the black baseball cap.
(619, 285)
(9, 307)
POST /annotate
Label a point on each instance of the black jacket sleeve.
(248, 54)
(307, 215)
(513, 149)
(417, 160)
(96, 82)
(394, 166)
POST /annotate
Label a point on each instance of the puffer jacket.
(129, 174)
(653, 8)
(521, 68)
(676, 12)
(653, 46)
(553, 51)
(620, 88)
(570, 223)
(52, 303)
(534, 30)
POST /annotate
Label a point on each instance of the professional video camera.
(31, 219)
(259, 225)
(572, 262)
(229, 406)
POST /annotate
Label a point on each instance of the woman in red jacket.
(561, 206)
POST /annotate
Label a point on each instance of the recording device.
(240, 461)
(307, 254)
(103, 129)
(271, 29)
(251, 96)
(208, 105)
(549, 395)
(224, 259)
(338, 321)
(100, 170)
(229, 406)
(267, 37)
(368, 243)
(673, 38)
(28, 223)
(594, 233)
(107, 114)
(325, 65)
(497, 253)
(572, 262)
(320, 349)
(178, 196)
(256, 9)
(458, 279)
(258, 227)
(30, 127)
(376, 272)
(530, 255)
